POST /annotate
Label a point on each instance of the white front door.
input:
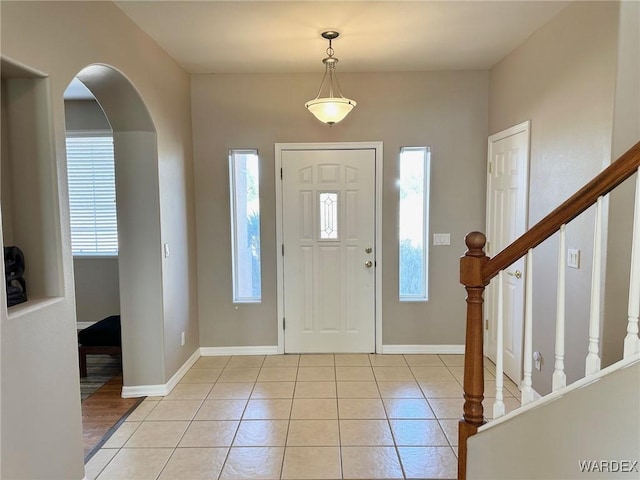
(328, 232)
(507, 199)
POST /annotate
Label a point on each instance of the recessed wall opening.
(30, 216)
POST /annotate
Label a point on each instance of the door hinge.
(490, 166)
(284, 324)
(280, 174)
(283, 249)
(488, 249)
(486, 324)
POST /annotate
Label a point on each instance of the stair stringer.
(594, 419)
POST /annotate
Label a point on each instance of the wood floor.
(103, 411)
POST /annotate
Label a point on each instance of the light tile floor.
(299, 417)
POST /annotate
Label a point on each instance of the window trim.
(234, 232)
(426, 193)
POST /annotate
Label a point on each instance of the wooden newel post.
(471, 277)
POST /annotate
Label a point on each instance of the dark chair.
(101, 338)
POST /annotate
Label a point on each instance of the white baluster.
(559, 379)
(631, 341)
(498, 404)
(592, 364)
(527, 389)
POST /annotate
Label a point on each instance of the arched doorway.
(138, 211)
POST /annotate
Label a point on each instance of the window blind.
(92, 194)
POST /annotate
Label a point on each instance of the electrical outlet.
(182, 339)
(537, 361)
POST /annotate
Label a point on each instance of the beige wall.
(626, 132)
(445, 110)
(41, 435)
(82, 115)
(96, 288)
(5, 173)
(562, 79)
(38, 337)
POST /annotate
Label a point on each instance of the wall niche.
(28, 181)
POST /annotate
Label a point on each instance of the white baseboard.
(252, 350)
(83, 325)
(388, 349)
(163, 389)
(424, 349)
(145, 391)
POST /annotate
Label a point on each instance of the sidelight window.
(244, 180)
(414, 223)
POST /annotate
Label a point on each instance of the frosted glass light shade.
(330, 110)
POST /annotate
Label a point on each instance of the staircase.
(477, 271)
(569, 434)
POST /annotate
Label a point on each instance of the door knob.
(368, 264)
(517, 274)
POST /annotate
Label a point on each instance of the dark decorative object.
(13, 275)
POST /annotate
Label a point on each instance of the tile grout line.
(119, 449)
(188, 424)
(335, 379)
(226, 457)
(395, 445)
(181, 436)
(286, 437)
(235, 435)
(439, 419)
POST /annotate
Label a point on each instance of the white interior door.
(507, 200)
(328, 231)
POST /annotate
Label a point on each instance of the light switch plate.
(573, 258)
(442, 239)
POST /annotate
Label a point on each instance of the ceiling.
(376, 36)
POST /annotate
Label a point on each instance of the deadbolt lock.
(368, 249)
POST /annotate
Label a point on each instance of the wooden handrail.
(477, 270)
(605, 182)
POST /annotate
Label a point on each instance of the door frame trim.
(496, 137)
(377, 147)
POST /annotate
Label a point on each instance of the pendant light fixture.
(334, 107)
